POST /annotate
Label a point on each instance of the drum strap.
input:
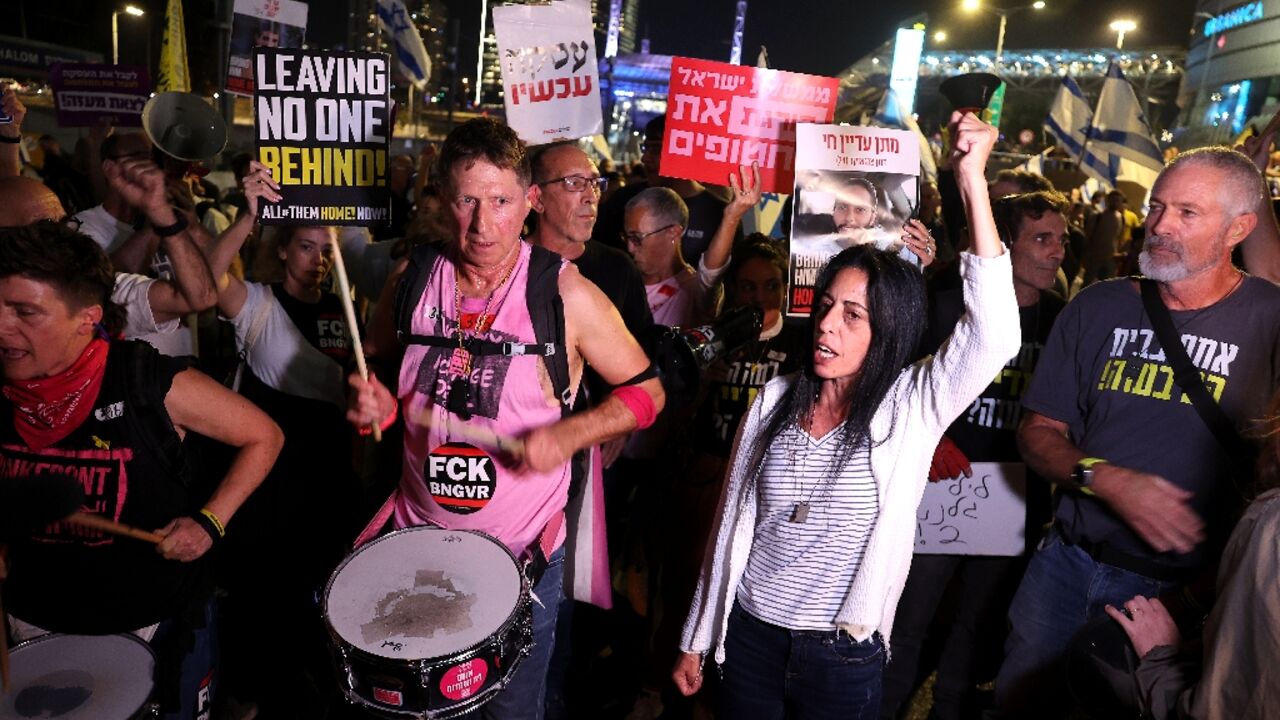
(538, 556)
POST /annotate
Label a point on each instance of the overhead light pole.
(1003, 14)
(1120, 27)
(133, 10)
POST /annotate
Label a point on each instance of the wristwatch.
(1082, 474)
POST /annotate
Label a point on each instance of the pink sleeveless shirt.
(446, 481)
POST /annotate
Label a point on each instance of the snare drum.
(428, 623)
(80, 677)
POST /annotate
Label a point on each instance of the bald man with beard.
(152, 306)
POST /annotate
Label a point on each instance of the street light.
(1004, 13)
(1120, 27)
(133, 10)
(940, 36)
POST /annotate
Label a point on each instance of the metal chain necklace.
(459, 398)
(800, 511)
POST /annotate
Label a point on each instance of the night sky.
(814, 36)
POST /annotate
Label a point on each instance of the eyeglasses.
(637, 238)
(579, 183)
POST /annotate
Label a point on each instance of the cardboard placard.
(982, 515)
(854, 185)
(88, 94)
(720, 116)
(550, 82)
(322, 124)
(265, 23)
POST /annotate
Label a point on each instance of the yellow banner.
(174, 75)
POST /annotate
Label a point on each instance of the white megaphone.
(184, 126)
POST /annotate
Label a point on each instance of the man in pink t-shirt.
(475, 296)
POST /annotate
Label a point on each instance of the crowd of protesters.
(755, 551)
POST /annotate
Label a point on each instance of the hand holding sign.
(257, 185)
(746, 192)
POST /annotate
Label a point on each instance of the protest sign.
(982, 515)
(91, 94)
(322, 123)
(550, 82)
(720, 116)
(261, 23)
(854, 185)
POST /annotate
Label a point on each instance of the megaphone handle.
(349, 310)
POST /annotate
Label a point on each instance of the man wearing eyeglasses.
(566, 197)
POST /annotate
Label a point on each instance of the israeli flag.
(1070, 120)
(410, 51)
(1119, 127)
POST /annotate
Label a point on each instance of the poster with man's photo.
(261, 23)
(854, 185)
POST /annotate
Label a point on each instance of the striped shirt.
(799, 573)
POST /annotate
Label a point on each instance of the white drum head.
(423, 593)
(79, 677)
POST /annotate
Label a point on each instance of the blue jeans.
(524, 696)
(772, 673)
(1062, 590)
(197, 677)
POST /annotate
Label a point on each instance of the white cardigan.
(920, 405)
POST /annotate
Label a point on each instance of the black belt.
(1108, 555)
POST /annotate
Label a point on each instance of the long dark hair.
(896, 300)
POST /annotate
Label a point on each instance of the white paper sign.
(550, 82)
(854, 186)
(982, 515)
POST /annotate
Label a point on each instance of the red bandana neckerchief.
(49, 409)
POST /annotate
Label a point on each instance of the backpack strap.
(411, 286)
(546, 311)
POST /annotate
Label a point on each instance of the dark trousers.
(772, 673)
(984, 586)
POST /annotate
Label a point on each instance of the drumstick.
(97, 522)
(344, 292)
(480, 437)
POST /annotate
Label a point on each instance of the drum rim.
(523, 597)
(49, 637)
(422, 665)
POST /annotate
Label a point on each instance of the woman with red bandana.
(113, 414)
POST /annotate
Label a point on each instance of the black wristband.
(11, 140)
(174, 229)
(207, 525)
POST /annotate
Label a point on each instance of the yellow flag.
(174, 75)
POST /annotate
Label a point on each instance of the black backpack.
(546, 310)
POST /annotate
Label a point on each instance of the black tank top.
(130, 461)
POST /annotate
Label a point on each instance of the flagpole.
(484, 13)
(1088, 133)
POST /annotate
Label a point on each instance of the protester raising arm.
(11, 133)
(141, 184)
(1261, 249)
(256, 185)
(746, 195)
